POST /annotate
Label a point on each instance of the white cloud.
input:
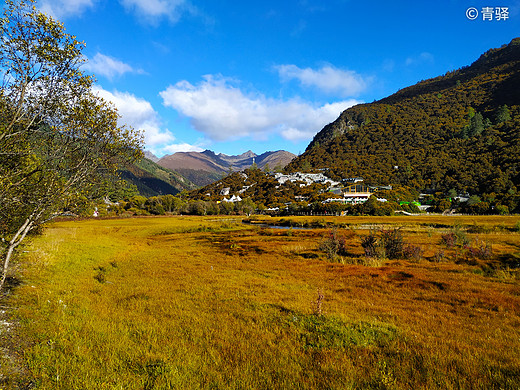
(221, 111)
(327, 79)
(152, 10)
(183, 147)
(102, 65)
(60, 9)
(422, 58)
(139, 114)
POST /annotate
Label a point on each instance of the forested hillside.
(152, 179)
(459, 131)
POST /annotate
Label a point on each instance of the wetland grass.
(194, 303)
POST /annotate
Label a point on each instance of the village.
(347, 191)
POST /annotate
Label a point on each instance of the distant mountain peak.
(149, 155)
(208, 152)
(248, 154)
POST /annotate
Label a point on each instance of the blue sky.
(267, 75)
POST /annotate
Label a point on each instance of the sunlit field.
(211, 303)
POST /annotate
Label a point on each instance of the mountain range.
(458, 133)
(202, 168)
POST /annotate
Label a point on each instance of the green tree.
(137, 201)
(503, 114)
(226, 208)
(473, 199)
(247, 206)
(452, 193)
(476, 125)
(59, 142)
(154, 205)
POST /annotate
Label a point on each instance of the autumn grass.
(480, 222)
(195, 303)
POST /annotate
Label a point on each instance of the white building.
(233, 199)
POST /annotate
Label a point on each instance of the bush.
(449, 239)
(388, 244)
(502, 209)
(412, 252)
(455, 237)
(393, 242)
(481, 250)
(334, 244)
(370, 244)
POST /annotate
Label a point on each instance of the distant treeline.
(176, 205)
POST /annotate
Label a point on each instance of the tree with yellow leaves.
(59, 143)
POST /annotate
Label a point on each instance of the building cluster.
(352, 190)
(235, 198)
(306, 178)
(347, 191)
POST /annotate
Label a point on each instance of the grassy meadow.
(210, 303)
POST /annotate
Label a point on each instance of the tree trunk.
(15, 241)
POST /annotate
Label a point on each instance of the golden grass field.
(210, 303)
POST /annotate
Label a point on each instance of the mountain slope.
(450, 132)
(203, 168)
(152, 179)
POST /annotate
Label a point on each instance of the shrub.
(449, 239)
(370, 244)
(455, 237)
(388, 244)
(502, 209)
(413, 252)
(334, 244)
(481, 250)
(393, 242)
